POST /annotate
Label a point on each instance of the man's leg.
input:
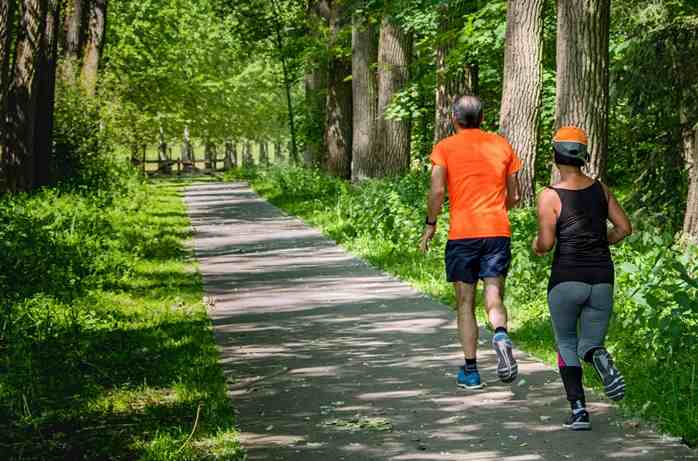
(507, 368)
(494, 302)
(468, 376)
(467, 323)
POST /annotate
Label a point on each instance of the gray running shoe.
(613, 382)
(507, 369)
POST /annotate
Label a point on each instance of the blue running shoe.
(469, 379)
(507, 369)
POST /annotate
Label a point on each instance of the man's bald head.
(467, 111)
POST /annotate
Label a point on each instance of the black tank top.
(582, 253)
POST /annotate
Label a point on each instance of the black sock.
(572, 379)
(589, 356)
(500, 330)
(471, 364)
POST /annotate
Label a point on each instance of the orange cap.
(571, 134)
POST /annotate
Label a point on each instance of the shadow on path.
(330, 359)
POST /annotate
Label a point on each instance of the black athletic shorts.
(468, 260)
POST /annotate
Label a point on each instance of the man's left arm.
(435, 201)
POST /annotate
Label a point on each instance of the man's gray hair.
(467, 110)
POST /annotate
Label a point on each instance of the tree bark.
(18, 155)
(689, 135)
(582, 75)
(264, 153)
(247, 159)
(188, 164)
(523, 86)
(364, 45)
(93, 45)
(450, 83)
(338, 125)
(278, 153)
(74, 37)
(7, 22)
(392, 137)
(46, 95)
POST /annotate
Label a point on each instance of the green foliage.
(656, 313)
(105, 346)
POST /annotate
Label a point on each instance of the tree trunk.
(73, 39)
(188, 164)
(7, 22)
(315, 96)
(93, 46)
(689, 142)
(582, 75)
(18, 156)
(450, 83)
(247, 158)
(392, 137)
(278, 153)
(228, 158)
(338, 126)
(264, 153)
(523, 85)
(46, 96)
(364, 45)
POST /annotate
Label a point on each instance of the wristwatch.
(426, 221)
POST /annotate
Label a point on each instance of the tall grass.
(105, 346)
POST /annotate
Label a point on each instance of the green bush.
(655, 333)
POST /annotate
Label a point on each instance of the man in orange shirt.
(479, 169)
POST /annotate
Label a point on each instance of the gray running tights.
(590, 306)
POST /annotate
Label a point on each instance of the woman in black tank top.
(572, 216)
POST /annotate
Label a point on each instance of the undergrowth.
(106, 350)
(654, 336)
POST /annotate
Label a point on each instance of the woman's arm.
(548, 211)
(621, 224)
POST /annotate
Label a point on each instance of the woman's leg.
(594, 321)
(565, 301)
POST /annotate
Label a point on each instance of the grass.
(124, 366)
(656, 315)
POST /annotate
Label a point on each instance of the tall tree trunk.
(264, 153)
(46, 95)
(18, 156)
(689, 142)
(187, 152)
(364, 46)
(392, 136)
(582, 75)
(523, 85)
(338, 127)
(450, 82)
(247, 158)
(278, 153)
(315, 99)
(93, 45)
(7, 23)
(73, 39)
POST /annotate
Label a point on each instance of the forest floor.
(329, 358)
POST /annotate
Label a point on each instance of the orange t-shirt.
(477, 165)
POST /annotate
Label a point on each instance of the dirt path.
(329, 359)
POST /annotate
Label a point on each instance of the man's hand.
(429, 232)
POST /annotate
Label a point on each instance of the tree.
(392, 149)
(7, 20)
(583, 74)
(338, 125)
(522, 87)
(46, 95)
(18, 155)
(93, 46)
(453, 77)
(364, 46)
